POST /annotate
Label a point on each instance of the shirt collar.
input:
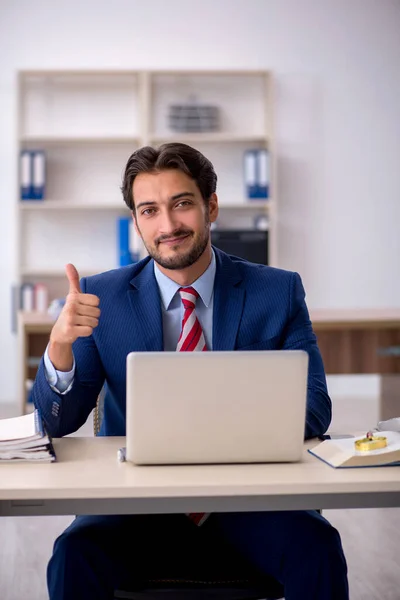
(203, 285)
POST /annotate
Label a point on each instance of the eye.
(184, 203)
(148, 211)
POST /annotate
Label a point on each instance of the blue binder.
(250, 173)
(124, 255)
(256, 174)
(38, 174)
(25, 174)
(263, 174)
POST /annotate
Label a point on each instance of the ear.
(213, 208)
(135, 225)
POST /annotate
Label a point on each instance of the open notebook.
(25, 439)
(341, 453)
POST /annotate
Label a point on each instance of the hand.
(79, 316)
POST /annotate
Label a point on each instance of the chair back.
(222, 574)
(98, 411)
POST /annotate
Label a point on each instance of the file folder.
(25, 175)
(263, 174)
(38, 174)
(27, 297)
(257, 174)
(124, 255)
(250, 173)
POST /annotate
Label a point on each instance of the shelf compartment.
(30, 141)
(86, 173)
(220, 137)
(240, 99)
(66, 205)
(79, 105)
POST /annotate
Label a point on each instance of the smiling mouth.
(172, 241)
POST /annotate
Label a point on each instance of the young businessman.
(185, 296)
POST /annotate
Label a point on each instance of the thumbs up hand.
(79, 316)
(73, 278)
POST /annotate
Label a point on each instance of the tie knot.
(189, 296)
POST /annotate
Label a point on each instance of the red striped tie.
(192, 336)
(191, 340)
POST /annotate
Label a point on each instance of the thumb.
(73, 278)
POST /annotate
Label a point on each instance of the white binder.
(25, 174)
(263, 173)
(39, 175)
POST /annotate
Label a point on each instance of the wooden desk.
(353, 341)
(350, 342)
(88, 479)
(33, 335)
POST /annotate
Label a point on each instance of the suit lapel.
(228, 303)
(145, 304)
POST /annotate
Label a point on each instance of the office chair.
(217, 589)
(221, 574)
(215, 579)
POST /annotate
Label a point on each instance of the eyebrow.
(172, 199)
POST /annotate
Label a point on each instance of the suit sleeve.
(65, 413)
(299, 335)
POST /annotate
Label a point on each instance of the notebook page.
(393, 443)
(18, 428)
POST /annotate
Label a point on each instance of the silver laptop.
(215, 407)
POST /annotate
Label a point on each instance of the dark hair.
(169, 156)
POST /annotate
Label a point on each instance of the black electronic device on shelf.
(251, 244)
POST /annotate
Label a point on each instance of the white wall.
(337, 66)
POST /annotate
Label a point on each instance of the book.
(341, 453)
(24, 438)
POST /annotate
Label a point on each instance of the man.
(233, 305)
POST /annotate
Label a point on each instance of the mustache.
(179, 233)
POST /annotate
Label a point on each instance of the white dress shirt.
(172, 315)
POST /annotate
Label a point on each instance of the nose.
(168, 222)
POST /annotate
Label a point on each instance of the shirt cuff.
(59, 381)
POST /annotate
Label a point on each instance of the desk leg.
(389, 397)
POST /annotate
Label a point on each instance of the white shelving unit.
(89, 122)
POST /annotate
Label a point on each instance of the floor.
(370, 537)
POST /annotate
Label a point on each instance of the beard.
(182, 259)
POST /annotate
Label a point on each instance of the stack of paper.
(24, 439)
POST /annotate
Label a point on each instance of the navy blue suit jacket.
(255, 308)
